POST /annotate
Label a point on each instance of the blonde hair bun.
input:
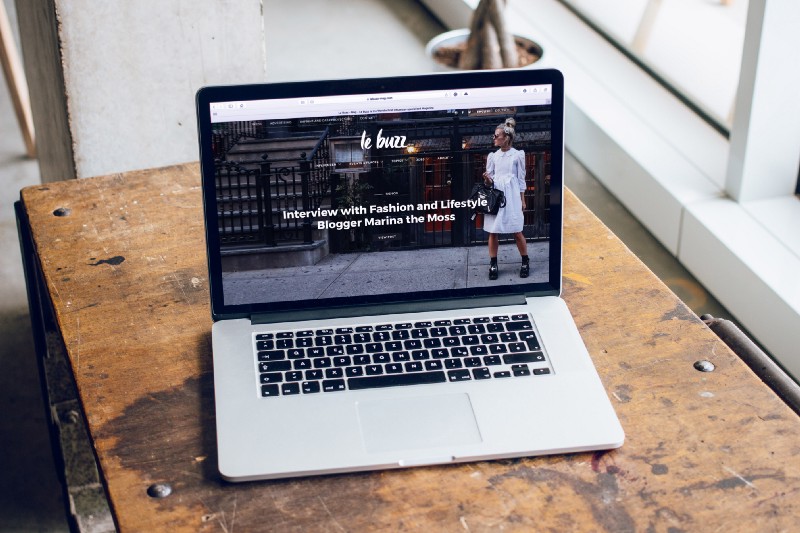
(510, 122)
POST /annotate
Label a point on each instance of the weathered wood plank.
(128, 281)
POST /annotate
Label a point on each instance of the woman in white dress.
(505, 168)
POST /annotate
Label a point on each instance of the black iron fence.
(259, 199)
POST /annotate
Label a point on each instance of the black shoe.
(525, 270)
(493, 271)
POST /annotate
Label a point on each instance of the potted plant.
(487, 44)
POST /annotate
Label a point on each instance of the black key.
(381, 358)
(284, 343)
(288, 389)
(425, 324)
(332, 351)
(310, 387)
(540, 371)
(265, 336)
(508, 337)
(481, 320)
(440, 353)
(362, 338)
(393, 346)
(285, 335)
(516, 347)
(401, 335)
(302, 364)
(420, 355)
(304, 333)
(353, 371)
(381, 336)
(374, 370)
(524, 325)
(343, 331)
(433, 365)
(412, 344)
(494, 327)
(342, 361)
(453, 363)
(526, 357)
(520, 370)
(361, 360)
(481, 373)
(323, 341)
(470, 340)
(432, 343)
(476, 329)
(415, 378)
(459, 351)
(530, 338)
(498, 348)
(492, 360)
(333, 385)
(354, 349)
(324, 332)
(271, 377)
(439, 332)
(439, 323)
(275, 366)
(490, 338)
(294, 376)
(316, 352)
(271, 355)
(334, 373)
(322, 362)
(401, 357)
(374, 347)
(265, 345)
(458, 375)
(502, 374)
(363, 329)
(500, 318)
(478, 350)
(462, 321)
(457, 330)
(343, 339)
(413, 366)
(419, 333)
(403, 325)
(313, 374)
(394, 368)
(451, 341)
(519, 317)
(269, 390)
(304, 342)
(384, 327)
(473, 361)
(295, 353)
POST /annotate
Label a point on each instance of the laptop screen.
(325, 194)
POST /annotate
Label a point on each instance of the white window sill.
(668, 167)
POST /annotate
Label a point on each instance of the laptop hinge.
(387, 309)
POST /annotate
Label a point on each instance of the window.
(694, 47)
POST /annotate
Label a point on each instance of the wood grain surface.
(127, 276)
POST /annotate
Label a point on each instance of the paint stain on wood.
(113, 261)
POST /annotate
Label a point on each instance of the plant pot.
(445, 48)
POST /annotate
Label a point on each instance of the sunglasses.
(496, 135)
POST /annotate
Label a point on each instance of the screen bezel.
(484, 79)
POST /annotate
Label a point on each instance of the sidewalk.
(357, 274)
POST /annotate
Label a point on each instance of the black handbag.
(490, 200)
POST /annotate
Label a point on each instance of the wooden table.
(123, 268)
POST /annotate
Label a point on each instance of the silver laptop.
(377, 302)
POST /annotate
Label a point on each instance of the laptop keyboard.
(310, 361)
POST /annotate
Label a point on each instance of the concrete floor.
(30, 495)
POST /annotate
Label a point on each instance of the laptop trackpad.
(417, 422)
